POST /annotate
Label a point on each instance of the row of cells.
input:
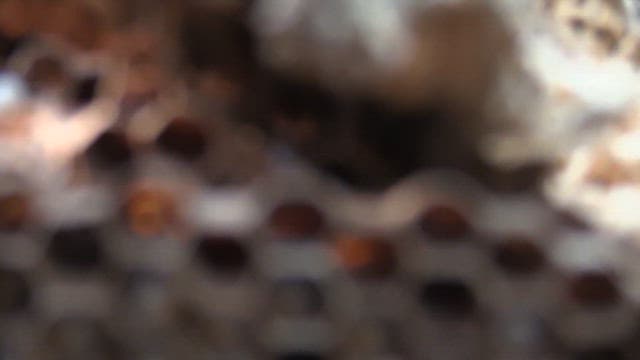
(313, 286)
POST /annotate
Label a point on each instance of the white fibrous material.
(597, 177)
(331, 35)
(563, 90)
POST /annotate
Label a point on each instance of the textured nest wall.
(331, 179)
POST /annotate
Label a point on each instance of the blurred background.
(319, 179)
